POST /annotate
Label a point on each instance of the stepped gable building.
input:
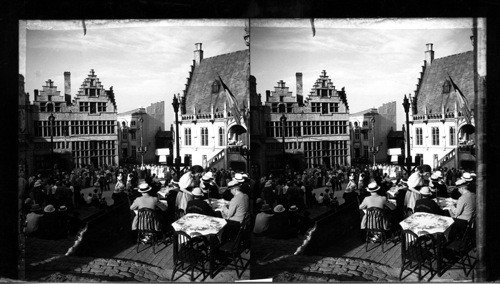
(140, 123)
(83, 130)
(316, 128)
(209, 135)
(370, 128)
(440, 135)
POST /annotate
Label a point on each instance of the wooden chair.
(420, 251)
(460, 249)
(148, 228)
(234, 249)
(376, 227)
(190, 254)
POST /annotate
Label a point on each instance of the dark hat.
(36, 208)
(266, 208)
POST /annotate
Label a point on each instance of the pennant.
(462, 102)
(233, 104)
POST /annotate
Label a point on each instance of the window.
(356, 135)
(50, 107)
(134, 152)
(133, 135)
(365, 151)
(418, 134)
(435, 136)
(93, 108)
(221, 136)
(282, 108)
(132, 123)
(84, 106)
(365, 135)
(215, 87)
(289, 107)
(365, 123)
(187, 136)
(446, 87)
(101, 107)
(204, 136)
(334, 107)
(315, 107)
(124, 135)
(324, 109)
(452, 136)
(274, 107)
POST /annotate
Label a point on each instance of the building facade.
(369, 133)
(24, 141)
(439, 131)
(315, 130)
(83, 130)
(209, 134)
(137, 131)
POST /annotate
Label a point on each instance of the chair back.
(243, 232)
(188, 249)
(376, 219)
(147, 220)
(417, 248)
(467, 240)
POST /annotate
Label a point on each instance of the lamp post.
(175, 104)
(406, 105)
(51, 120)
(142, 149)
(283, 123)
(374, 149)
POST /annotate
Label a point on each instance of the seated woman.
(350, 194)
(145, 201)
(262, 220)
(198, 205)
(426, 204)
(374, 200)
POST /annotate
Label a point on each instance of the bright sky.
(376, 60)
(144, 61)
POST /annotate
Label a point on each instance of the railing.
(467, 149)
(216, 158)
(446, 158)
(233, 149)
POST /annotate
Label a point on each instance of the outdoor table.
(425, 224)
(197, 224)
(445, 203)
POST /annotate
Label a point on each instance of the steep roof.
(430, 94)
(130, 112)
(366, 111)
(233, 68)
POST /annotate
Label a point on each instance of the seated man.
(33, 219)
(262, 220)
(463, 210)
(198, 205)
(426, 204)
(238, 208)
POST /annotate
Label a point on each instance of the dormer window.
(215, 87)
(446, 87)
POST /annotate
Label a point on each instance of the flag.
(462, 102)
(231, 101)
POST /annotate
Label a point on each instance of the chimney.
(67, 87)
(429, 54)
(268, 94)
(300, 97)
(36, 94)
(198, 53)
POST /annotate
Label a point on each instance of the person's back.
(33, 222)
(262, 221)
(427, 205)
(279, 226)
(199, 206)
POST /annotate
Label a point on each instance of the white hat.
(293, 208)
(207, 176)
(144, 187)
(439, 174)
(425, 190)
(467, 176)
(232, 183)
(49, 208)
(279, 208)
(197, 191)
(245, 176)
(268, 183)
(372, 187)
(461, 181)
(238, 177)
(435, 176)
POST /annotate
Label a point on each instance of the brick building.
(316, 130)
(83, 130)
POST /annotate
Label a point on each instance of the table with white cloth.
(197, 224)
(425, 224)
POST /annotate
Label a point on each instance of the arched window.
(446, 87)
(282, 108)
(215, 86)
(50, 107)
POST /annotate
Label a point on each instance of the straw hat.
(467, 176)
(144, 187)
(238, 177)
(63, 208)
(425, 190)
(49, 208)
(435, 177)
(279, 208)
(268, 183)
(197, 191)
(207, 176)
(372, 187)
(245, 176)
(232, 183)
(293, 208)
(461, 181)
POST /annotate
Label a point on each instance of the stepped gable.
(430, 93)
(233, 68)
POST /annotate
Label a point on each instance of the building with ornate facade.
(138, 128)
(369, 130)
(439, 131)
(83, 130)
(315, 129)
(209, 135)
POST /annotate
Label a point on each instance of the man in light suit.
(238, 208)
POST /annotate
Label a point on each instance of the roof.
(461, 69)
(364, 112)
(130, 112)
(233, 68)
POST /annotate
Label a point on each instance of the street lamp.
(51, 120)
(142, 149)
(406, 105)
(175, 104)
(374, 149)
(283, 123)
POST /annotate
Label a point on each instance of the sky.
(146, 61)
(376, 60)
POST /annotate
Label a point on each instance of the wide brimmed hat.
(37, 183)
(266, 208)
(197, 191)
(238, 177)
(461, 181)
(279, 208)
(233, 183)
(425, 190)
(435, 177)
(207, 176)
(467, 176)
(245, 176)
(372, 187)
(293, 208)
(49, 208)
(36, 208)
(63, 208)
(439, 174)
(268, 184)
(144, 187)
